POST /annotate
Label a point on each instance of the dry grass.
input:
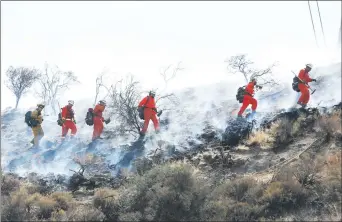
(85, 213)
(242, 148)
(330, 124)
(63, 199)
(106, 200)
(261, 138)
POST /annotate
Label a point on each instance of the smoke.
(198, 107)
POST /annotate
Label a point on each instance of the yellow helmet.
(41, 105)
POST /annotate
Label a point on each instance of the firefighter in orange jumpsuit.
(150, 112)
(304, 79)
(98, 119)
(248, 98)
(68, 119)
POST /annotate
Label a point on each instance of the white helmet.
(103, 102)
(71, 102)
(309, 65)
(152, 92)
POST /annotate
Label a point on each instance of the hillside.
(204, 165)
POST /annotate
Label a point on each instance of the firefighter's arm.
(259, 87)
(40, 119)
(249, 89)
(35, 115)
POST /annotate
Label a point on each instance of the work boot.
(141, 133)
(303, 106)
(239, 117)
(251, 116)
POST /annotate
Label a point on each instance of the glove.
(160, 112)
(74, 121)
(63, 120)
(107, 121)
(313, 80)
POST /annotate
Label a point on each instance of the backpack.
(29, 121)
(141, 109)
(295, 84)
(89, 117)
(240, 93)
(59, 120)
(28, 118)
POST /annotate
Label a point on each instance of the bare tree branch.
(241, 64)
(124, 100)
(168, 75)
(52, 83)
(20, 80)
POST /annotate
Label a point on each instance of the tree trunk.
(17, 102)
(246, 78)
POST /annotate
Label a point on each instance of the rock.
(208, 158)
(209, 134)
(202, 164)
(196, 160)
(282, 159)
(236, 130)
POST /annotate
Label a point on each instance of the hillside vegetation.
(296, 175)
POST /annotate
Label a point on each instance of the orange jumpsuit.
(304, 89)
(248, 99)
(150, 113)
(68, 115)
(98, 121)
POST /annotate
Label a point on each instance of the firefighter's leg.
(73, 128)
(245, 103)
(304, 94)
(155, 122)
(64, 130)
(147, 116)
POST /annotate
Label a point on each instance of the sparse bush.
(306, 173)
(46, 206)
(14, 208)
(142, 165)
(234, 201)
(167, 192)
(282, 133)
(9, 183)
(31, 188)
(59, 215)
(85, 213)
(330, 124)
(332, 177)
(63, 199)
(31, 200)
(131, 216)
(281, 197)
(106, 200)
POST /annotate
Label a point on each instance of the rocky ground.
(288, 169)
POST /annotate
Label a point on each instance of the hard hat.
(102, 102)
(309, 65)
(40, 105)
(253, 79)
(71, 102)
(152, 92)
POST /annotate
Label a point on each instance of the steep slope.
(198, 108)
